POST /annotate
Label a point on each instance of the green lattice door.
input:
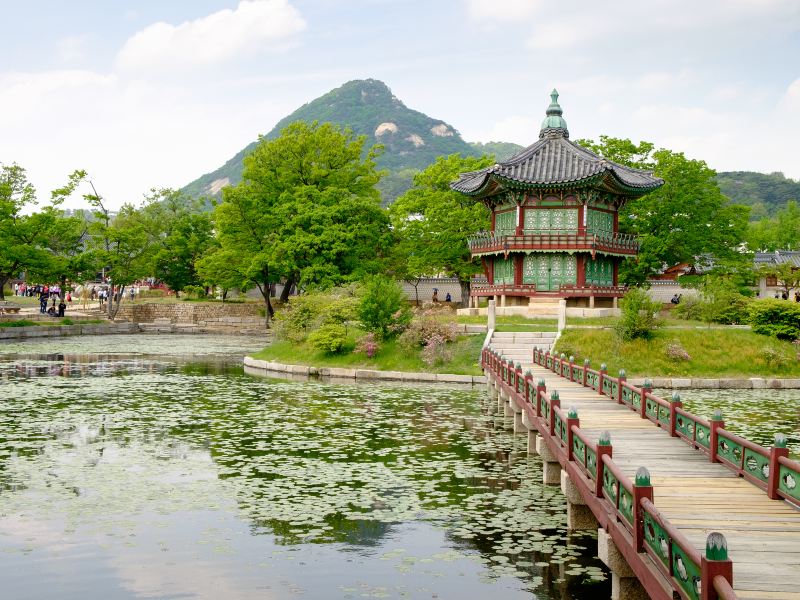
(558, 220)
(505, 223)
(549, 271)
(503, 271)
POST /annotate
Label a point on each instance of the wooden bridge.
(684, 507)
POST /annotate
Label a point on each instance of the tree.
(687, 220)
(781, 232)
(22, 235)
(307, 211)
(434, 223)
(786, 274)
(184, 233)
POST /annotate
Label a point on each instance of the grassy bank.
(713, 353)
(390, 357)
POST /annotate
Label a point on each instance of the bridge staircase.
(518, 345)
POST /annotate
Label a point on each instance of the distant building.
(555, 226)
(768, 287)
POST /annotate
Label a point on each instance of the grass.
(20, 323)
(611, 321)
(390, 357)
(714, 353)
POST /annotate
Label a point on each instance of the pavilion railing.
(591, 466)
(554, 238)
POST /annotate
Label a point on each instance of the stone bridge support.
(551, 468)
(624, 584)
(579, 516)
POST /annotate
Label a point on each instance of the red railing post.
(647, 388)
(715, 423)
(714, 563)
(621, 379)
(642, 488)
(603, 449)
(778, 450)
(541, 389)
(554, 401)
(673, 414)
(586, 364)
(572, 419)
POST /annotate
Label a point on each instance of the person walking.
(43, 303)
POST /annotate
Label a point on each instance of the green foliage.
(779, 232)
(688, 217)
(778, 318)
(774, 357)
(723, 303)
(691, 308)
(194, 291)
(423, 329)
(314, 310)
(361, 106)
(330, 338)
(19, 323)
(638, 318)
(433, 223)
(767, 193)
(383, 308)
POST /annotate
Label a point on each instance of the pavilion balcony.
(564, 291)
(555, 240)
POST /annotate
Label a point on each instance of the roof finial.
(554, 122)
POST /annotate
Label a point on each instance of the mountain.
(411, 139)
(501, 150)
(765, 193)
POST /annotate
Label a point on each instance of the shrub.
(436, 351)
(724, 303)
(638, 319)
(691, 308)
(423, 329)
(778, 318)
(194, 291)
(368, 345)
(303, 314)
(20, 323)
(383, 309)
(675, 351)
(330, 338)
(773, 357)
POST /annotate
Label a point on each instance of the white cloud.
(502, 10)
(221, 36)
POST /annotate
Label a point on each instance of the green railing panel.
(606, 387)
(703, 435)
(558, 426)
(656, 538)
(686, 572)
(577, 373)
(787, 482)
(729, 450)
(626, 504)
(549, 362)
(614, 389)
(651, 408)
(663, 415)
(520, 385)
(565, 370)
(685, 426)
(756, 464)
(591, 462)
(627, 396)
(610, 486)
(636, 401)
(592, 379)
(579, 450)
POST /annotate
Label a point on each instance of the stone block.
(705, 383)
(608, 552)
(790, 384)
(426, 377)
(757, 383)
(580, 517)
(551, 473)
(543, 450)
(340, 372)
(627, 588)
(479, 379)
(773, 383)
(735, 384)
(367, 374)
(570, 490)
(532, 437)
(679, 383)
(519, 427)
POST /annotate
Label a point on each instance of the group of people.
(46, 298)
(34, 290)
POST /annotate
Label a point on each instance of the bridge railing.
(629, 502)
(770, 469)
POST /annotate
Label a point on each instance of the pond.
(154, 467)
(756, 415)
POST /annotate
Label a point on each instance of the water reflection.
(155, 476)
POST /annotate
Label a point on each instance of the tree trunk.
(113, 308)
(3, 281)
(63, 283)
(287, 288)
(466, 286)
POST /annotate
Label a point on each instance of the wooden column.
(518, 258)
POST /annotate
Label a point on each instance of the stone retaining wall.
(208, 315)
(360, 374)
(33, 332)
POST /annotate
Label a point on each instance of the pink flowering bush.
(368, 345)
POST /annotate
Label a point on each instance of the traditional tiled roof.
(555, 161)
(778, 257)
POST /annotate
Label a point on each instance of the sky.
(152, 93)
